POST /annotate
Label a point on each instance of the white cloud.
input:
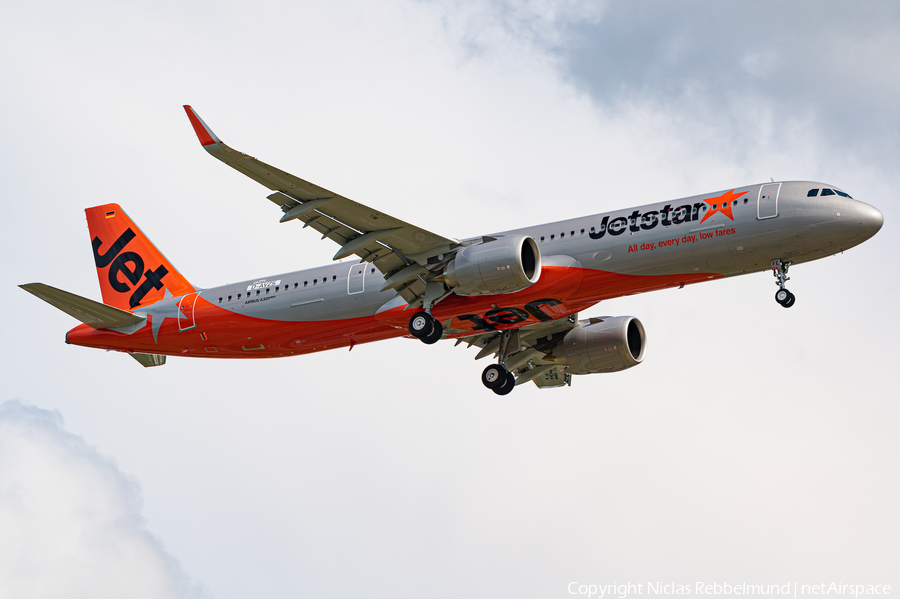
(70, 520)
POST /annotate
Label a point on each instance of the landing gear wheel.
(508, 385)
(493, 376)
(790, 300)
(785, 298)
(421, 325)
(437, 331)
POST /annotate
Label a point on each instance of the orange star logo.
(722, 204)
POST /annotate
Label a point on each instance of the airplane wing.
(397, 248)
(525, 350)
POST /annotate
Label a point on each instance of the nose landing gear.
(784, 297)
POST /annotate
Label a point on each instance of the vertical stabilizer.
(131, 270)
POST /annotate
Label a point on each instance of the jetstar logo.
(668, 216)
(722, 204)
(130, 265)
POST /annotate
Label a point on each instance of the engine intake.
(608, 346)
(504, 265)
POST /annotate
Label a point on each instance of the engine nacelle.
(608, 346)
(504, 265)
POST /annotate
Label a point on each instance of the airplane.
(515, 295)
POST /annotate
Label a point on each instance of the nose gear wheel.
(784, 297)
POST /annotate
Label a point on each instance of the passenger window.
(315, 281)
(563, 234)
(582, 231)
(373, 271)
(571, 232)
(592, 229)
(220, 300)
(812, 193)
(542, 238)
(552, 237)
(745, 200)
(239, 296)
(276, 288)
(229, 298)
(334, 277)
(257, 292)
(267, 290)
(827, 192)
(304, 283)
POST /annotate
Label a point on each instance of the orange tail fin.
(132, 271)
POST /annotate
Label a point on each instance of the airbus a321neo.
(513, 294)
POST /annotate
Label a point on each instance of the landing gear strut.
(424, 326)
(784, 297)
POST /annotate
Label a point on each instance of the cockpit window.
(827, 192)
(812, 193)
(842, 194)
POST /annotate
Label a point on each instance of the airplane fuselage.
(585, 260)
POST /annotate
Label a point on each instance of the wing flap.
(91, 313)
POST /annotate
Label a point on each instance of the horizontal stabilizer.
(148, 360)
(91, 313)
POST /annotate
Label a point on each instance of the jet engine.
(502, 265)
(602, 345)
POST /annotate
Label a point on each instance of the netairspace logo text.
(718, 589)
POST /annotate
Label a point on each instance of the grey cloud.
(70, 520)
(826, 69)
(825, 62)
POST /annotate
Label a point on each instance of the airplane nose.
(869, 218)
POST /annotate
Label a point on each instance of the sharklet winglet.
(204, 133)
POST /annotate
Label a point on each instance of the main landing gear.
(782, 296)
(498, 379)
(424, 326)
(495, 377)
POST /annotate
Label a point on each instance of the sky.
(753, 444)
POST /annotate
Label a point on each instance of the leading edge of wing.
(384, 240)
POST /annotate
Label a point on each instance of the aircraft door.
(356, 279)
(186, 312)
(767, 205)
